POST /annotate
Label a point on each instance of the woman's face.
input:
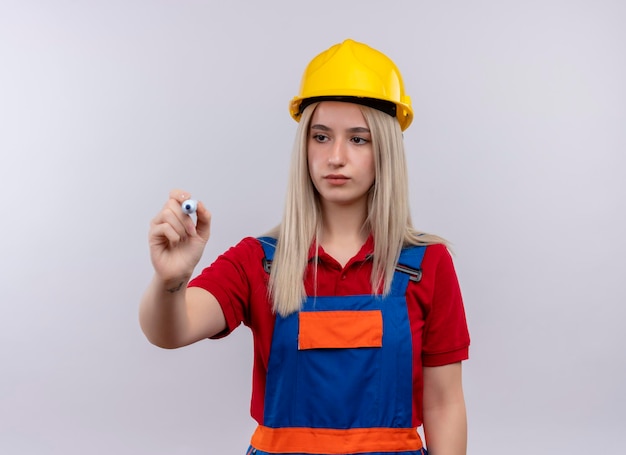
(340, 153)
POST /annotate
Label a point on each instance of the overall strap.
(269, 247)
(408, 268)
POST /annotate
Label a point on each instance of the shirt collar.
(364, 254)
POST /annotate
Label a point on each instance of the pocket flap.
(340, 329)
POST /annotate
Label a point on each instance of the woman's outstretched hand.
(176, 241)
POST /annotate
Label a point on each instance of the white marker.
(189, 206)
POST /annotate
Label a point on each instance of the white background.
(516, 153)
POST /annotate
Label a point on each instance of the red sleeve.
(232, 279)
(445, 338)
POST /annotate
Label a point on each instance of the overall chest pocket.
(340, 329)
(338, 372)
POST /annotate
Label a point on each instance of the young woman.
(358, 321)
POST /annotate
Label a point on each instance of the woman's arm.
(171, 315)
(445, 420)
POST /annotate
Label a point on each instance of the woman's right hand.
(176, 243)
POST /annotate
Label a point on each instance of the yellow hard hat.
(354, 72)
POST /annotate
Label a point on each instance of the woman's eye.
(359, 140)
(320, 137)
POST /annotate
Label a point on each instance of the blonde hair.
(389, 218)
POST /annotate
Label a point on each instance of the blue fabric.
(269, 246)
(344, 388)
(412, 258)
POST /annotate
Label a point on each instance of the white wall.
(516, 155)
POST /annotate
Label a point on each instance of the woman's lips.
(336, 179)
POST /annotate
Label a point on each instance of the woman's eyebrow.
(358, 129)
(320, 127)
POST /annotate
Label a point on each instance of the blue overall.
(359, 389)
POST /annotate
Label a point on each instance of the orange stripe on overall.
(333, 441)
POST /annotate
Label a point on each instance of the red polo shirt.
(435, 306)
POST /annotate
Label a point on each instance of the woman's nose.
(337, 155)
